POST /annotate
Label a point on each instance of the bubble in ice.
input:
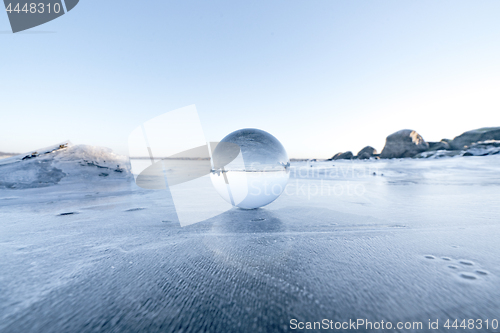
(257, 175)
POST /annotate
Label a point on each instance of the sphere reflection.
(257, 176)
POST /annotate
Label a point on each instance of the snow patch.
(49, 166)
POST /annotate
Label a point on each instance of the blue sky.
(322, 76)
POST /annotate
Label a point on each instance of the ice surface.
(392, 240)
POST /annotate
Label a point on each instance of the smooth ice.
(392, 240)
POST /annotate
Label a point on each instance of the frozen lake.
(393, 240)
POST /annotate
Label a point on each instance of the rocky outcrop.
(408, 143)
(483, 148)
(348, 155)
(441, 145)
(366, 153)
(404, 143)
(468, 138)
(439, 153)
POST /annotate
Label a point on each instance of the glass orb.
(259, 173)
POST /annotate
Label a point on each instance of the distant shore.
(408, 143)
(5, 155)
(405, 143)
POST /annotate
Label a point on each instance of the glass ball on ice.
(250, 168)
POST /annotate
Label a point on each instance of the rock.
(486, 144)
(366, 153)
(483, 148)
(404, 143)
(441, 145)
(343, 156)
(438, 153)
(468, 138)
(432, 144)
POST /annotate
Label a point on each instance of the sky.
(321, 76)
